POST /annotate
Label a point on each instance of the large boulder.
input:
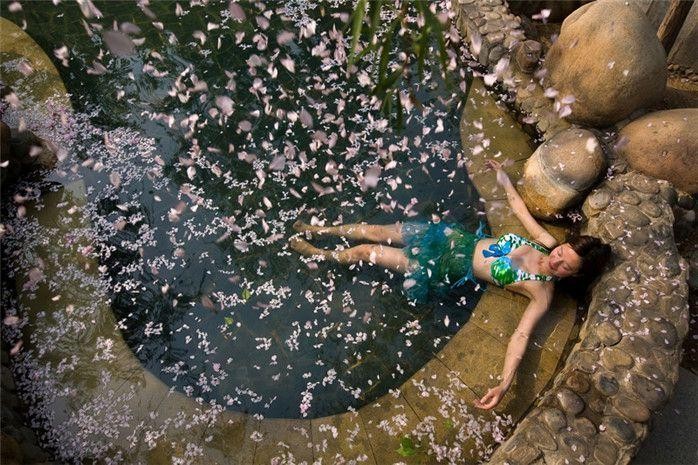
(609, 59)
(560, 172)
(664, 145)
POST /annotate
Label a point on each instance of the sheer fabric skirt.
(439, 254)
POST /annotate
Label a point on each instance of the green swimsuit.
(502, 270)
(441, 253)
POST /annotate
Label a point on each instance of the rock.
(609, 58)
(663, 333)
(634, 216)
(599, 199)
(664, 145)
(570, 402)
(560, 172)
(669, 194)
(605, 451)
(606, 383)
(650, 209)
(539, 436)
(554, 418)
(685, 200)
(575, 444)
(608, 334)
(649, 392)
(578, 382)
(584, 426)
(614, 358)
(526, 55)
(638, 237)
(620, 428)
(631, 408)
(629, 197)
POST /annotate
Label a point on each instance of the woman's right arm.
(519, 207)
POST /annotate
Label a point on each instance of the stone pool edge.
(232, 433)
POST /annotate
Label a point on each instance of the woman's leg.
(390, 233)
(387, 257)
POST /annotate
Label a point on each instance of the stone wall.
(501, 40)
(626, 362)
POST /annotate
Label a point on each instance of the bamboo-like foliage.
(415, 39)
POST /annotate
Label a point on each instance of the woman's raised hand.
(502, 177)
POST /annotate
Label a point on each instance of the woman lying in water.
(437, 257)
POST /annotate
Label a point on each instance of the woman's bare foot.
(304, 247)
(299, 226)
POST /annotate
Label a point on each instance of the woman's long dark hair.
(595, 257)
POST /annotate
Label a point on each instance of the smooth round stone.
(599, 199)
(575, 443)
(638, 237)
(631, 408)
(608, 334)
(663, 333)
(650, 209)
(570, 402)
(614, 229)
(578, 382)
(614, 358)
(669, 194)
(524, 454)
(644, 184)
(584, 426)
(597, 404)
(634, 216)
(671, 265)
(554, 418)
(685, 200)
(585, 361)
(541, 437)
(620, 428)
(629, 197)
(606, 383)
(605, 451)
(649, 392)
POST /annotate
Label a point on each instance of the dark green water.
(204, 288)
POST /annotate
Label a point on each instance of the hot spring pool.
(201, 149)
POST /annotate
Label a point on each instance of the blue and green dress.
(441, 255)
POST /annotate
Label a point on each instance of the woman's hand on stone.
(491, 399)
(502, 177)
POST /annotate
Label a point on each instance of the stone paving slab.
(386, 421)
(428, 402)
(284, 440)
(350, 442)
(478, 359)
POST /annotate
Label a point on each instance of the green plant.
(415, 37)
(407, 447)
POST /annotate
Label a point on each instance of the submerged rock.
(664, 145)
(609, 59)
(560, 172)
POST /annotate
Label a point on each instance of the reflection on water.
(201, 149)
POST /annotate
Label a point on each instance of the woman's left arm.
(516, 348)
(519, 208)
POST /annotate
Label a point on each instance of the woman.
(437, 257)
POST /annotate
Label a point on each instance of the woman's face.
(564, 261)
